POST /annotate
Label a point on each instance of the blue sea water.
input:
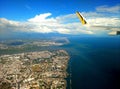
(94, 63)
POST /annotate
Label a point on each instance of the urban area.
(34, 70)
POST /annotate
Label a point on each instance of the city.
(34, 70)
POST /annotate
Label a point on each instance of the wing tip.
(82, 20)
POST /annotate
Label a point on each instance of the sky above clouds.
(47, 16)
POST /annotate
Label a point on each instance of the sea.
(94, 62)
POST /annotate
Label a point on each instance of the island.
(34, 70)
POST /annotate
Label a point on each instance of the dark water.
(95, 62)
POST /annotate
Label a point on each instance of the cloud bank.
(43, 23)
(105, 8)
(66, 24)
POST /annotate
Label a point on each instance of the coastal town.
(34, 70)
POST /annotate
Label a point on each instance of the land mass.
(34, 70)
(19, 46)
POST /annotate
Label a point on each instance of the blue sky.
(24, 9)
(56, 15)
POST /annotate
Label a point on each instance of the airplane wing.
(114, 30)
(114, 33)
(81, 18)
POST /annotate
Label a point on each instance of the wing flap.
(114, 33)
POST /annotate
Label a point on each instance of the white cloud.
(42, 24)
(66, 18)
(103, 25)
(91, 14)
(67, 24)
(105, 8)
(42, 18)
(104, 21)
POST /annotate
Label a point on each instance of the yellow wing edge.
(81, 18)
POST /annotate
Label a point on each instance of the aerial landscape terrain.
(33, 70)
(59, 44)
